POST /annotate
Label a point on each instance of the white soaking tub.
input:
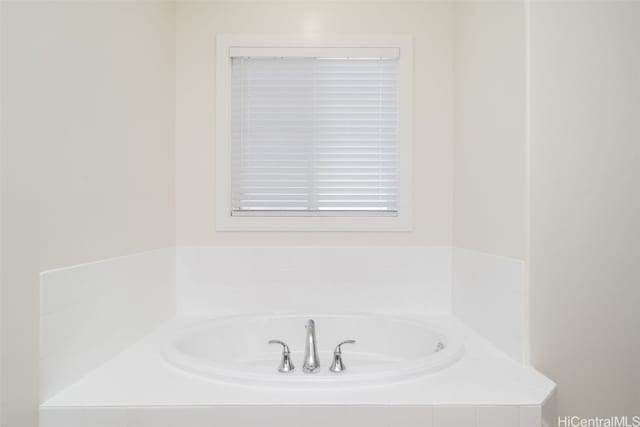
(387, 349)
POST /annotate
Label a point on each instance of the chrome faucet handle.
(286, 365)
(338, 365)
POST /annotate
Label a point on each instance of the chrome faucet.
(311, 359)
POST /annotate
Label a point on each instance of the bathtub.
(388, 349)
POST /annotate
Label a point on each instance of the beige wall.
(585, 203)
(87, 155)
(489, 148)
(431, 25)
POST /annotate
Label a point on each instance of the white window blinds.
(314, 136)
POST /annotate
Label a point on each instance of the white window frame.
(225, 221)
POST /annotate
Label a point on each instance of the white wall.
(88, 159)
(431, 25)
(585, 203)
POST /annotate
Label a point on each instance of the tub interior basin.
(387, 348)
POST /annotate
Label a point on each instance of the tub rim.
(212, 371)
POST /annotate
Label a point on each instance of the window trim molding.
(226, 222)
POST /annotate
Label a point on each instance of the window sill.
(313, 223)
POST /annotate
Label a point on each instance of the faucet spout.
(311, 359)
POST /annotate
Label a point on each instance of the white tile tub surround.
(231, 280)
(531, 416)
(98, 332)
(90, 312)
(497, 416)
(288, 415)
(488, 295)
(139, 377)
(454, 416)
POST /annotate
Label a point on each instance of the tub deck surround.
(139, 385)
(101, 365)
(90, 312)
(297, 415)
(488, 295)
(140, 376)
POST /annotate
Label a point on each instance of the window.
(313, 137)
